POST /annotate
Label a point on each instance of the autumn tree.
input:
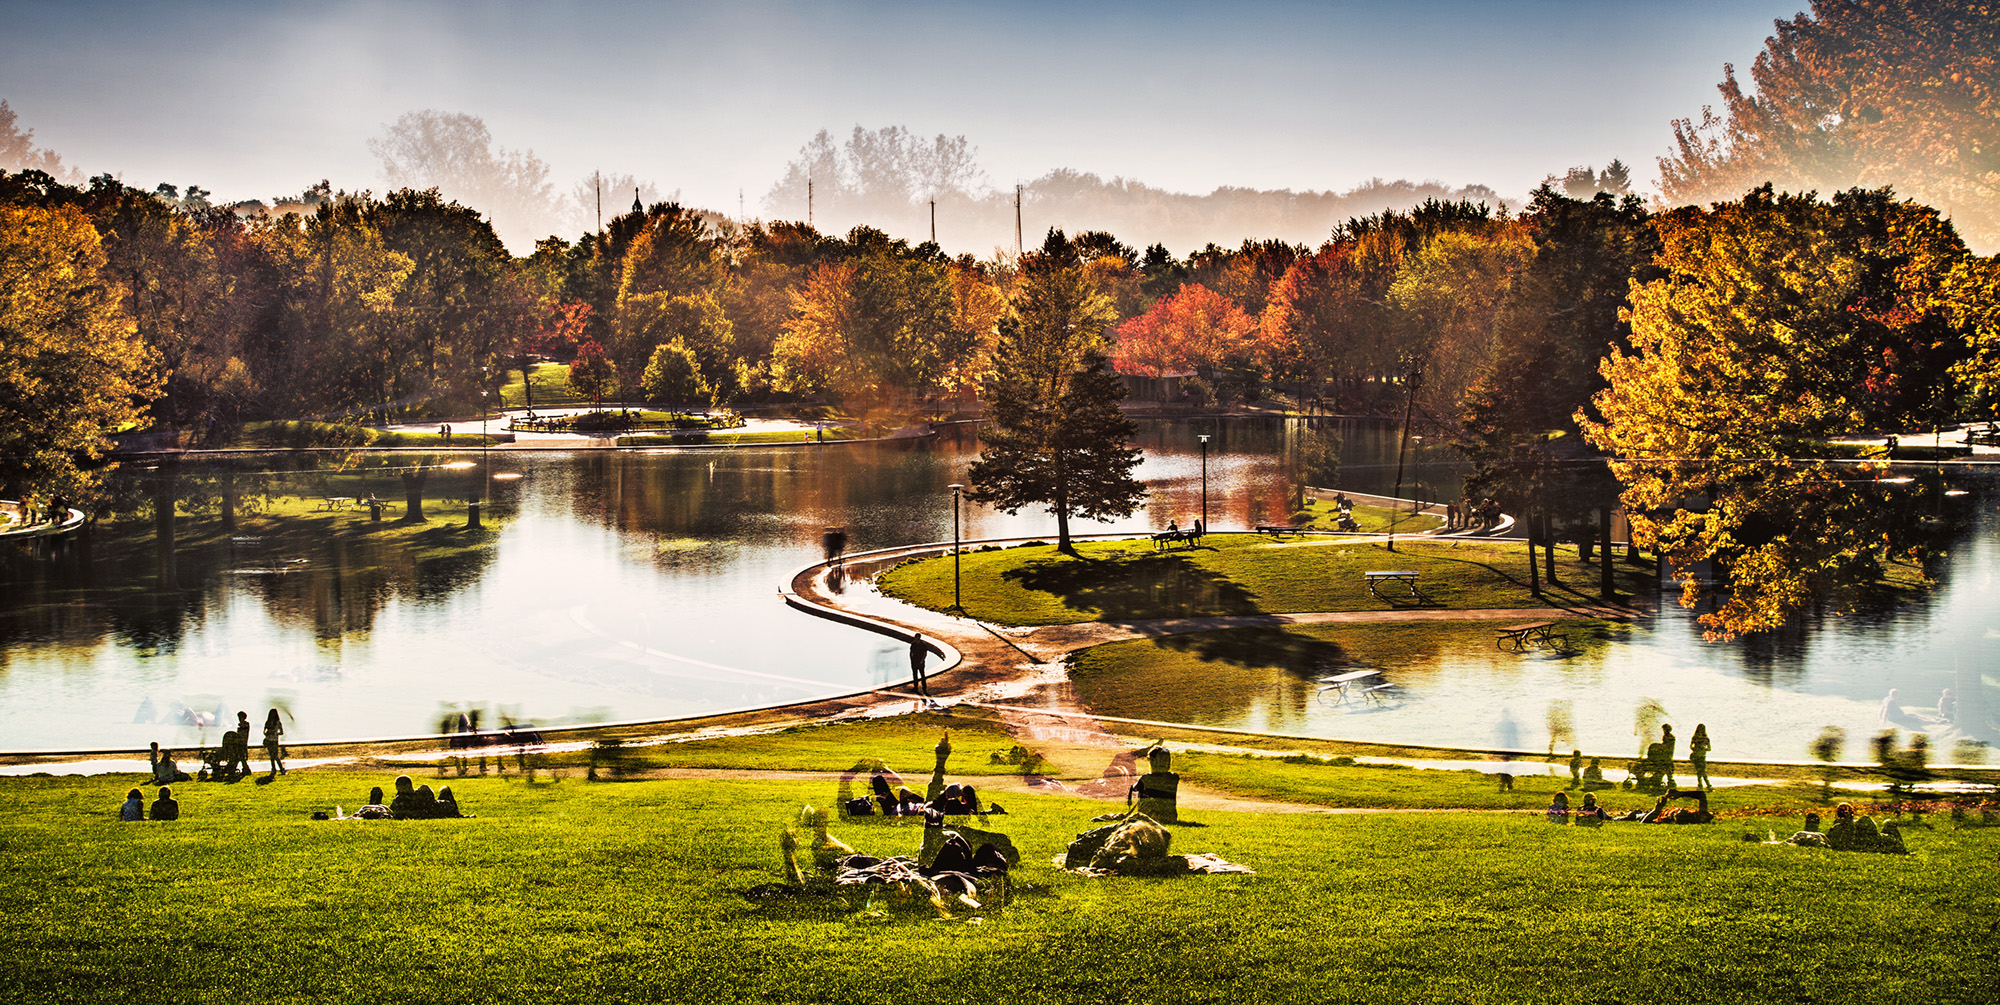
(1781, 320)
(592, 375)
(1195, 329)
(71, 366)
(1860, 92)
(1560, 318)
(1056, 437)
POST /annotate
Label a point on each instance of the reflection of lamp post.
(485, 459)
(956, 603)
(1204, 482)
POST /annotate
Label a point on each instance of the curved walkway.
(1000, 666)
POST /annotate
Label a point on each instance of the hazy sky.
(254, 98)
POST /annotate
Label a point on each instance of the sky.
(256, 98)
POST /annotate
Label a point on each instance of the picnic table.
(1375, 579)
(1341, 685)
(1533, 635)
(1987, 434)
(336, 502)
(1189, 538)
(1276, 530)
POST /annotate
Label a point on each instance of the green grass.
(299, 434)
(551, 388)
(1239, 574)
(1369, 519)
(695, 436)
(631, 891)
(906, 743)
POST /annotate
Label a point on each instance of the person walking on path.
(274, 743)
(1698, 755)
(918, 651)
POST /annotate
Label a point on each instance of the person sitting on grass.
(165, 771)
(166, 807)
(411, 802)
(1593, 776)
(1591, 814)
(1558, 812)
(1856, 833)
(134, 808)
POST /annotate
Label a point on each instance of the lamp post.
(485, 459)
(956, 603)
(1204, 482)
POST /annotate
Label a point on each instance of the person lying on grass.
(1662, 814)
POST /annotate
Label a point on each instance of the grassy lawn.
(694, 436)
(551, 387)
(299, 434)
(1240, 574)
(590, 892)
(1370, 519)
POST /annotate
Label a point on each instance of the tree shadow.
(1138, 588)
(1300, 655)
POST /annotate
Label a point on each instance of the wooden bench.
(1408, 577)
(1276, 530)
(1534, 635)
(1188, 538)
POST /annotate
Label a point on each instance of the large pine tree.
(1056, 437)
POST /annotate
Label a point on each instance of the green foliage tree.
(673, 377)
(1056, 437)
(1781, 320)
(71, 366)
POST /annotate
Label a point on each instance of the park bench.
(1279, 530)
(1376, 578)
(1186, 538)
(1534, 635)
(1986, 434)
(1380, 693)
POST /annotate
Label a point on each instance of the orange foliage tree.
(1194, 329)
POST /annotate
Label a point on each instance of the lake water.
(634, 585)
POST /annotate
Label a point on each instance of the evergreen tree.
(1068, 451)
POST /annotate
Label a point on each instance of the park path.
(1021, 674)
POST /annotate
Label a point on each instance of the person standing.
(1698, 755)
(918, 651)
(274, 743)
(239, 765)
(1667, 743)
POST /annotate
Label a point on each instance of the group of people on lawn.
(230, 762)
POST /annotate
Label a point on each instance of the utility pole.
(809, 200)
(1017, 222)
(597, 183)
(933, 221)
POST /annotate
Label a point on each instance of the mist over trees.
(1864, 93)
(887, 177)
(19, 153)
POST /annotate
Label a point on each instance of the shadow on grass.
(1137, 588)
(1297, 654)
(1576, 601)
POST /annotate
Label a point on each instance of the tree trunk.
(1549, 546)
(1534, 574)
(413, 495)
(163, 528)
(1607, 587)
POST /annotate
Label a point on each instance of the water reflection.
(632, 585)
